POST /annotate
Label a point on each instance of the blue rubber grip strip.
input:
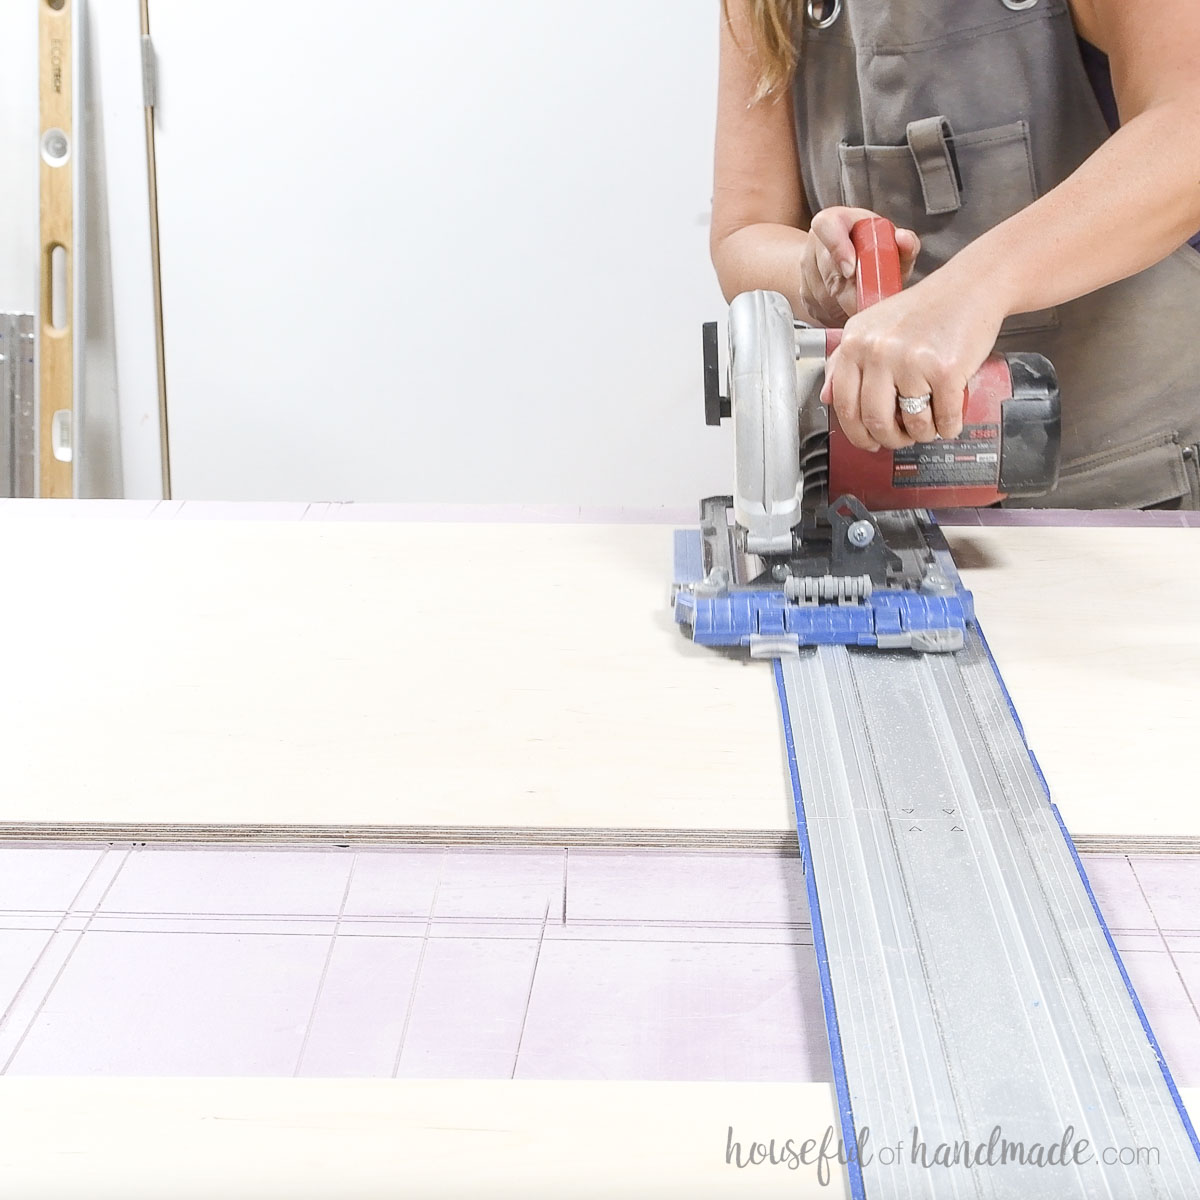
(1137, 1004)
(840, 1083)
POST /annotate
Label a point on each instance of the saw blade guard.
(765, 401)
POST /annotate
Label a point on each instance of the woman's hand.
(930, 338)
(828, 260)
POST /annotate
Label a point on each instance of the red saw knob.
(878, 268)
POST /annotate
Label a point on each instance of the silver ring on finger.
(912, 405)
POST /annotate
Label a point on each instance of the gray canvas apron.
(898, 101)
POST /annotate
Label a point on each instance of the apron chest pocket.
(992, 167)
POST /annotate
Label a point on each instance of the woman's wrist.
(987, 276)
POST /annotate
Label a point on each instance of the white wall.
(447, 252)
(412, 251)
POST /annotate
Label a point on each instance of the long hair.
(771, 28)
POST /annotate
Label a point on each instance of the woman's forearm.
(762, 256)
(1129, 205)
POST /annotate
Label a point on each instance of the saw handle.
(878, 269)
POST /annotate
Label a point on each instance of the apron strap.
(931, 142)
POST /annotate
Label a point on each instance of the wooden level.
(56, 332)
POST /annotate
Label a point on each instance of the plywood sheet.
(192, 1139)
(266, 672)
(1097, 633)
(373, 673)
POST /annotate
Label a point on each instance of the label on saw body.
(971, 460)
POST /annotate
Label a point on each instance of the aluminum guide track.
(970, 980)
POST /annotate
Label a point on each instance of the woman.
(1028, 217)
